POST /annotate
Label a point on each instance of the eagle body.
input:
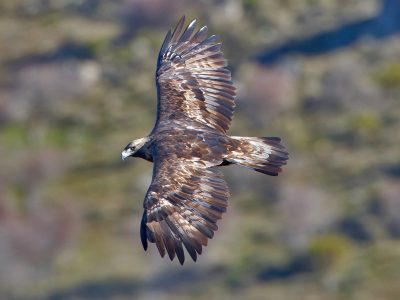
(192, 144)
(189, 142)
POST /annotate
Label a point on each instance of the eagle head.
(133, 148)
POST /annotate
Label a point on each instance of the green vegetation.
(388, 75)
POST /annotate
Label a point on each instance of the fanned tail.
(262, 154)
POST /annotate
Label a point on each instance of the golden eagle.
(188, 195)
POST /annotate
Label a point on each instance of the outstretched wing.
(182, 206)
(192, 81)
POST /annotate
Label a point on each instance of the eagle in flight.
(188, 194)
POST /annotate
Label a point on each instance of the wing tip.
(178, 29)
(181, 262)
(181, 257)
(181, 21)
(192, 23)
(143, 235)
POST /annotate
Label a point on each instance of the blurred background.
(77, 83)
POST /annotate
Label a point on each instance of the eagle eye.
(130, 147)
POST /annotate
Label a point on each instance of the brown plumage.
(188, 195)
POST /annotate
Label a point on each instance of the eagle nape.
(189, 142)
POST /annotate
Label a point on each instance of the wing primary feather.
(178, 30)
(200, 35)
(184, 237)
(202, 47)
(179, 251)
(159, 238)
(166, 42)
(168, 239)
(178, 241)
(143, 235)
(210, 39)
(188, 32)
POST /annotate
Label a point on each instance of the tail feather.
(262, 154)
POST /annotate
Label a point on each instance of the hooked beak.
(126, 153)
